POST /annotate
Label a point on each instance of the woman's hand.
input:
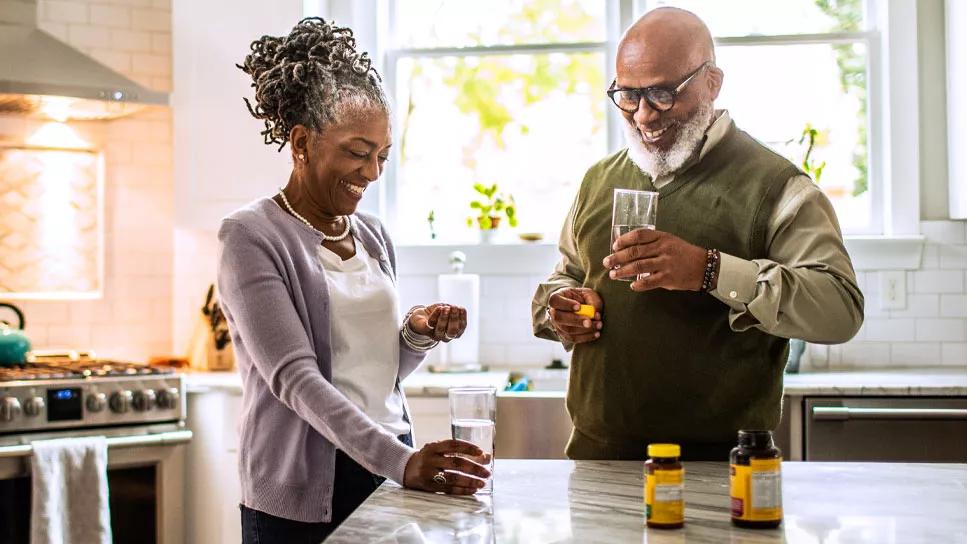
(437, 468)
(442, 322)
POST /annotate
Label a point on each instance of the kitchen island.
(539, 501)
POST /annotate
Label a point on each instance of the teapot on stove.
(14, 344)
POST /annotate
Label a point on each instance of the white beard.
(661, 163)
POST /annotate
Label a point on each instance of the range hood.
(41, 76)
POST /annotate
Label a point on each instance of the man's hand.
(670, 262)
(569, 326)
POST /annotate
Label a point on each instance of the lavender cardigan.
(274, 293)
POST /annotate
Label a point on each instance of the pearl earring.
(302, 157)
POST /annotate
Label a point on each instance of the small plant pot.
(487, 235)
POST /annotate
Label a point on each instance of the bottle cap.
(664, 450)
(755, 438)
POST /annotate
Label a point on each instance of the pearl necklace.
(336, 238)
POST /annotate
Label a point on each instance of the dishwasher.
(922, 429)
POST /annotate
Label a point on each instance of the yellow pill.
(586, 310)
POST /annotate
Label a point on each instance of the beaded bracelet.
(413, 339)
(711, 269)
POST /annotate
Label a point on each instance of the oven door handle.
(171, 438)
(842, 413)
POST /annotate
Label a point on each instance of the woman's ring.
(440, 478)
(448, 337)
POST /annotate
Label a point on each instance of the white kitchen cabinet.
(212, 489)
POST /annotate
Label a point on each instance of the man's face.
(638, 66)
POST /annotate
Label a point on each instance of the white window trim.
(893, 87)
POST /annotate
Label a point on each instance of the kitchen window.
(798, 72)
(511, 92)
(508, 92)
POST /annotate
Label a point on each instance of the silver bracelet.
(413, 339)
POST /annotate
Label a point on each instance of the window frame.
(617, 17)
(893, 125)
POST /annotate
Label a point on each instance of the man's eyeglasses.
(659, 98)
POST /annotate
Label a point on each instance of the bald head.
(665, 42)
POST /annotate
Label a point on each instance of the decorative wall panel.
(51, 223)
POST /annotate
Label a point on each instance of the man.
(747, 253)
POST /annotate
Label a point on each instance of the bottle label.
(756, 490)
(664, 496)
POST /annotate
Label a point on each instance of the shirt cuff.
(737, 280)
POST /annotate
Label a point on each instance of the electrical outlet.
(893, 290)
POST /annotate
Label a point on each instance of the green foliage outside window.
(852, 77)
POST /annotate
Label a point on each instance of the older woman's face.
(345, 158)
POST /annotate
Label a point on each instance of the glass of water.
(632, 210)
(473, 412)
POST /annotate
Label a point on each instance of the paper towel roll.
(462, 290)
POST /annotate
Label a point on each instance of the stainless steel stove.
(87, 392)
(141, 412)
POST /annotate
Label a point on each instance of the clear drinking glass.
(473, 413)
(632, 210)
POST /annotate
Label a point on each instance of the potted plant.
(490, 207)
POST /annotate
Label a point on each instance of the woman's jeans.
(352, 485)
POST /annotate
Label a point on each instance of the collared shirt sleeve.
(806, 287)
(567, 273)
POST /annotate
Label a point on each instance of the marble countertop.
(537, 501)
(949, 381)
(417, 384)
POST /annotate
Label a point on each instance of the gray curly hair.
(312, 77)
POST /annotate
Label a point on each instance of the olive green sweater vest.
(667, 366)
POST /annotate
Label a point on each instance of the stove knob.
(144, 400)
(168, 398)
(34, 406)
(96, 402)
(120, 401)
(9, 408)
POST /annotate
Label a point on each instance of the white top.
(365, 336)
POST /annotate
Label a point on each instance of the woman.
(308, 287)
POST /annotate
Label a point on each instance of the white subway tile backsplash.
(151, 64)
(110, 16)
(151, 19)
(931, 257)
(938, 281)
(131, 40)
(943, 232)
(64, 12)
(890, 330)
(919, 306)
(133, 318)
(953, 306)
(537, 353)
(84, 36)
(953, 257)
(507, 287)
(863, 354)
(45, 312)
(72, 336)
(953, 353)
(915, 354)
(493, 354)
(941, 330)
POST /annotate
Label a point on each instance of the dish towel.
(70, 498)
